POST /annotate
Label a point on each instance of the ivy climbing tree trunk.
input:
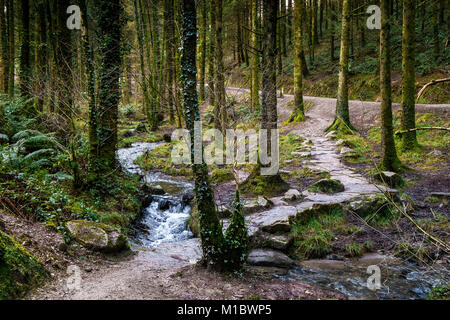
(109, 16)
(390, 160)
(299, 113)
(210, 228)
(342, 120)
(409, 140)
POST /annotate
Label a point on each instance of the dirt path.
(168, 272)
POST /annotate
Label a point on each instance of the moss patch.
(327, 186)
(19, 270)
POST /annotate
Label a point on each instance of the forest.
(224, 149)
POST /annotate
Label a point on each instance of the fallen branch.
(400, 132)
(430, 84)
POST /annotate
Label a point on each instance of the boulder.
(146, 200)
(392, 179)
(153, 190)
(292, 195)
(275, 220)
(187, 197)
(97, 236)
(269, 258)
(277, 242)
(327, 186)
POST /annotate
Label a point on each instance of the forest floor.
(169, 271)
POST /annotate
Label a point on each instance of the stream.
(164, 221)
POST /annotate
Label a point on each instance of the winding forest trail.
(166, 272)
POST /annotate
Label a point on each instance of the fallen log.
(430, 84)
(400, 132)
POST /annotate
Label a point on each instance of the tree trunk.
(211, 59)
(255, 86)
(109, 16)
(210, 228)
(435, 9)
(12, 48)
(409, 140)
(143, 82)
(202, 49)
(342, 120)
(331, 22)
(390, 160)
(220, 70)
(299, 113)
(4, 55)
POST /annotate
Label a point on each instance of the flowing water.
(165, 219)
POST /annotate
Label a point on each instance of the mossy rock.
(97, 236)
(257, 184)
(376, 209)
(327, 186)
(221, 175)
(392, 179)
(19, 270)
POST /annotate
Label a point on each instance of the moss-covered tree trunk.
(4, 54)
(409, 140)
(202, 48)
(255, 79)
(210, 228)
(390, 160)
(220, 70)
(109, 16)
(342, 120)
(299, 113)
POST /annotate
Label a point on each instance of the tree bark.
(299, 113)
(210, 229)
(4, 55)
(390, 160)
(220, 70)
(342, 120)
(409, 140)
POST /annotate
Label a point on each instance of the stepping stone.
(275, 220)
(269, 258)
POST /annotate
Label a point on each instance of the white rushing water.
(165, 219)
